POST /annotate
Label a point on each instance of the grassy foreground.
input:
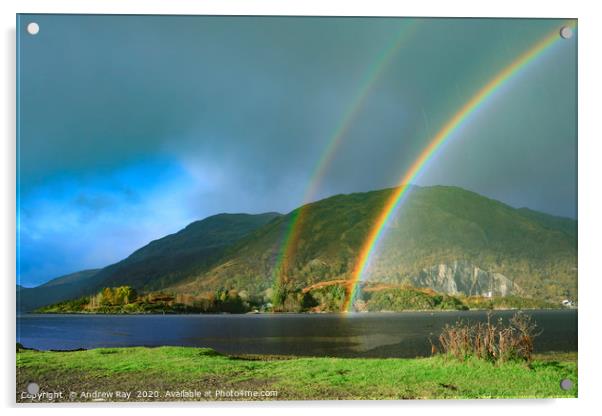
(179, 373)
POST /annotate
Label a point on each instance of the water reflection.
(354, 335)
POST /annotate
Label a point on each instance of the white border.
(590, 177)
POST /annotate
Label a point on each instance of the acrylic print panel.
(295, 208)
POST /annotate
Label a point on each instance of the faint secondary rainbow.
(366, 85)
(431, 150)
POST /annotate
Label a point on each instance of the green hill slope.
(446, 238)
(449, 227)
(155, 266)
(192, 250)
(331, 233)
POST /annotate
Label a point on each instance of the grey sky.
(131, 126)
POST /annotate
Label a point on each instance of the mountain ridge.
(477, 242)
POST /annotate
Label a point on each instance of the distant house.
(567, 302)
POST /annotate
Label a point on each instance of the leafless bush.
(493, 341)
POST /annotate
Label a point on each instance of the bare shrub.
(492, 340)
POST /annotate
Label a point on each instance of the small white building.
(567, 302)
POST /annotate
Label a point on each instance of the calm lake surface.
(354, 335)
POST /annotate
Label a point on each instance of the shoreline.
(300, 313)
(552, 354)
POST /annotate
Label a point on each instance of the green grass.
(177, 368)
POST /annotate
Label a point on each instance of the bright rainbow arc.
(437, 141)
(368, 82)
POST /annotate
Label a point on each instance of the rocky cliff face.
(460, 277)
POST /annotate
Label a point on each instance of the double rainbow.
(374, 72)
(457, 120)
